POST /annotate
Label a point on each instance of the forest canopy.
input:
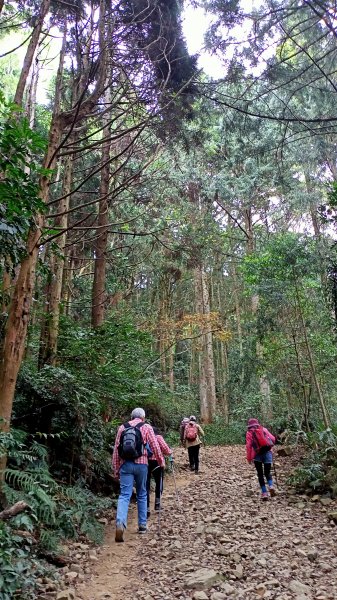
(168, 239)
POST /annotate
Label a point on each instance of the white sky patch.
(195, 24)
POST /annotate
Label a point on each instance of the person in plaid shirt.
(134, 471)
(157, 472)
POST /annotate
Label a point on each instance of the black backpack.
(131, 445)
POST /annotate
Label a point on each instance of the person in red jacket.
(259, 443)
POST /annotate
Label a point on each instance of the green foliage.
(20, 153)
(19, 567)
(65, 511)
(56, 512)
(219, 434)
(318, 473)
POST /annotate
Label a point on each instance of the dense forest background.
(167, 239)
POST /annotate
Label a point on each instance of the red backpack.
(191, 432)
(261, 440)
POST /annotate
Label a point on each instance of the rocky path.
(220, 541)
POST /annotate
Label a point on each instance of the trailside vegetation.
(167, 240)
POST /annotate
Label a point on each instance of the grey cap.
(193, 418)
(138, 413)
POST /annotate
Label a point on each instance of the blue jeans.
(131, 472)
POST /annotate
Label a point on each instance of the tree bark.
(17, 323)
(206, 359)
(27, 63)
(101, 244)
(266, 407)
(325, 414)
(50, 333)
(16, 328)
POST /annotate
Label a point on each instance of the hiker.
(192, 442)
(259, 443)
(157, 472)
(130, 463)
(182, 429)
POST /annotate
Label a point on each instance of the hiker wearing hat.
(192, 442)
(259, 443)
(182, 429)
(157, 472)
(130, 464)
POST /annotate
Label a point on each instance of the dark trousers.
(158, 475)
(193, 456)
(263, 469)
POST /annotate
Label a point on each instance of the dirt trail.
(221, 542)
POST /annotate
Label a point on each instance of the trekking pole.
(159, 511)
(175, 485)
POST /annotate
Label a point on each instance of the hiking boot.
(196, 472)
(264, 496)
(272, 491)
(119, 535)
(157, 505)
(142, 529)
(191, 468)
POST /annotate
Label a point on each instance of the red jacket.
(251, 451)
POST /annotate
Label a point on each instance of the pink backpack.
(191, 432)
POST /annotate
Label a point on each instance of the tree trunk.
(50, 333)
(326, 418)
(31, 96)
(206, 358)
(101, 244)
(171, 367)
(266, 406)
(17, 323)
(27, 63)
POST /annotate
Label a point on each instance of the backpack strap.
(139, 425)
(126, 425)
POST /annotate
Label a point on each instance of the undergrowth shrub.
(318, 471)
(19, 565)
(56, 511)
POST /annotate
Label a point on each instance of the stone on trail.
(325, 501)
(66, 595)
(200, 596)
(218, 596)
(202, 579)
(299, 588)
(333, 516)
(312, 555)
(227, 588)
(238, 571)
(284, 451)
(72, 575)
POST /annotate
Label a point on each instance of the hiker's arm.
(152, 440)
(201, 431)
(166, 450)
(249, 448)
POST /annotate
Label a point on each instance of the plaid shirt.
(165, 449)
(148, 438)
